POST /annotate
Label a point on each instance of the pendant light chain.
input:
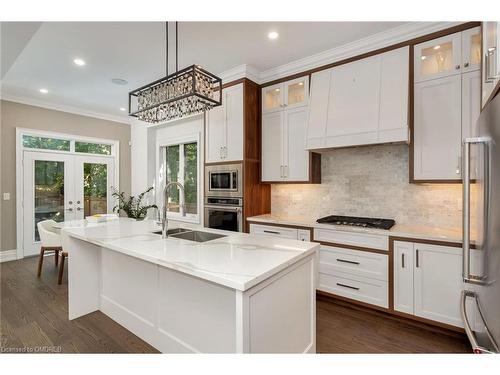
(189, 91)
(166, 49)
(176, 46)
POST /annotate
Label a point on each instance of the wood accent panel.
(256, 195)
(410, 42)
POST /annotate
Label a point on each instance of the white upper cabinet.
(284, 154)
(438, 57)
(437, 129)
(446, 107)
(295, 155)
(224, 127)
(362, 102)
(272, 146)
(490, 59)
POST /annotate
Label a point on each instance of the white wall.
(139, 157)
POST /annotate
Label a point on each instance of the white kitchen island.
(236, 294)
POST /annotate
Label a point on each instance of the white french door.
(63, 187)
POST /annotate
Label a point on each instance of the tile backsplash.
(371, 181)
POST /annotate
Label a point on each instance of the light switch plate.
(6, 196)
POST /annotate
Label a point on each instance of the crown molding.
(240, 71)
(63, 108)
(373, 42)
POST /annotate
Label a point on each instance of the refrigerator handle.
(478, 349)
(466, 275)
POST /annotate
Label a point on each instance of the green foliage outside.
(46, 143)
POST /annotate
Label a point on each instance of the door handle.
(403, 260)
(347, 286)
(466, 275)
(469, 331)
(417, 264)
(78, 208)
(347, 261)
(69, 209)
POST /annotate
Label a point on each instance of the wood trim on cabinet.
(352, 247)
(256, 195)
(410, 42)
(224, 162)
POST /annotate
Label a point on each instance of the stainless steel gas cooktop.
(367, 222)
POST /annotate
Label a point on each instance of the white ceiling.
(135, 51)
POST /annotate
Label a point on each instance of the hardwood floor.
(33, 314)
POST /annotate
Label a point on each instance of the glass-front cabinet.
(290, 94)
(272, 98)
(438, 58)
(471, 49)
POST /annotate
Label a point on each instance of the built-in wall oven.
(224, 213)
(224, 180)
(224, 196)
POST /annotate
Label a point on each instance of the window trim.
(161, 145)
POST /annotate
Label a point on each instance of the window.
(181, 165)
(93, 148)
(30, 141)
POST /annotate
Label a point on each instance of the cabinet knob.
(457, 67)
(466, 65)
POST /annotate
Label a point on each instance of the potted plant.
(132, 206)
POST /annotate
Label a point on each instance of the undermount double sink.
(191, 235)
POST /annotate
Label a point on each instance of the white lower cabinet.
(355, 274)
(428, 281)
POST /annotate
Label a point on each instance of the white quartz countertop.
(239, 261)
(398, 230)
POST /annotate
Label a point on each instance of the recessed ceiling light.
(277, 90)
(119, 81)
(423, 57)
(437, 47)
(273, 35)
(79, 62)
(44, 91)
(122, 109)
(301, 83)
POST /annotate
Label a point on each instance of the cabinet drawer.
(372, 241)
(361, 289)
(359, 263)
(273, 231)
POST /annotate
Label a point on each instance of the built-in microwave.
(224, 180)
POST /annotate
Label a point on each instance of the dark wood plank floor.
(34, 313)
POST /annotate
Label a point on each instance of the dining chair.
(50, 241)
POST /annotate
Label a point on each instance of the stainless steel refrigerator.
(481, 256)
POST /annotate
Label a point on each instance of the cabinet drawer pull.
(402, 261)
(416, 255)
(347, 286)
(346, 261)
(271, 231)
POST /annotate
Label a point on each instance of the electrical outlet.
(6, 196)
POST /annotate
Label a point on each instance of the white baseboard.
(7, 256)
